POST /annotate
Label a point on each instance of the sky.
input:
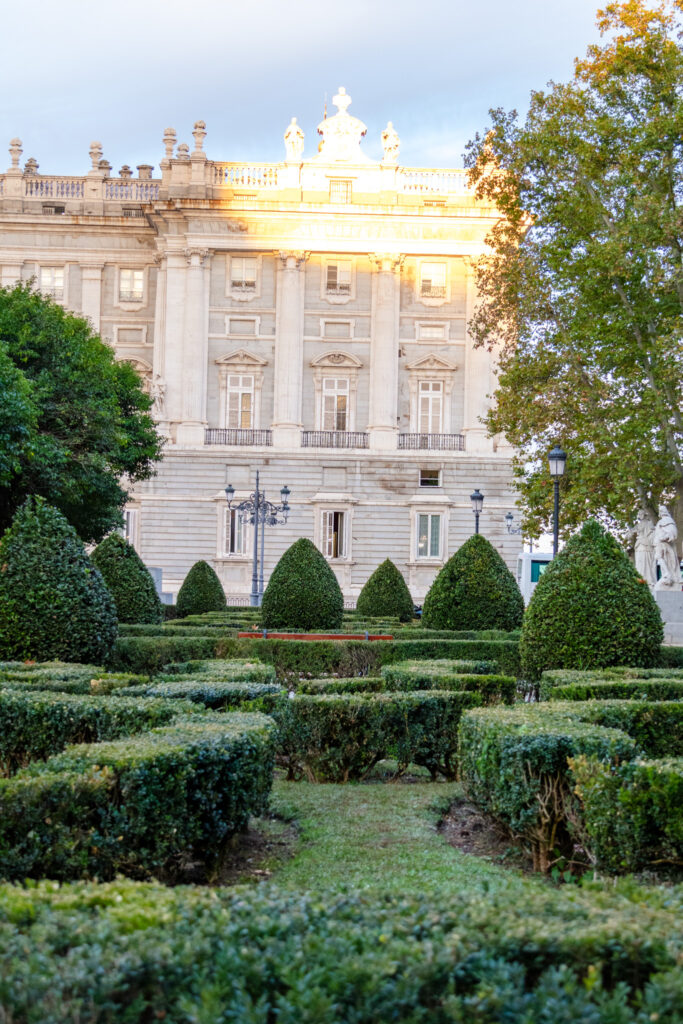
(75, 71)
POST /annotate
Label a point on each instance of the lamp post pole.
(260, 513)
(556, 461)
(477, 499)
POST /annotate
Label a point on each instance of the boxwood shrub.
(386, 593)
(212, 693)
(60, 677)
(235, 670)
(201, 591)
(474, 590)
(451, 675)
(128, 580)
(590, 609)
(147, 654)
(53, 601)
(134, 952)
(642, 689)
(302, 591)
(339, 737)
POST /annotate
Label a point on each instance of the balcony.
(432, 442)
(236, 435)
(333, 439)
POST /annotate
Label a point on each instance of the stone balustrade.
(246, 175)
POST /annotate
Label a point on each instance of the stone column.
(91, 294)
(195, 350)
(479, 381)
(384, 351)
(289, 350)
(159, 386)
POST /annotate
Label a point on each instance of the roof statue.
(342, 134)
(294, 142)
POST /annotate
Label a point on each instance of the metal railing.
(236, 435)
(333, 439)
(435, 442)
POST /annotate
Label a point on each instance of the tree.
(386, 593)
(302, 592)
(201, 592)
(583, 287)
(54, 603)
(590, 609)
(73, 421)
(128, 580)
(474, 590)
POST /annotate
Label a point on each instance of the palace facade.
(307, 319)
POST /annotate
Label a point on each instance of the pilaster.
(478, 380)
(91, 293)
(289, 349)
(195, 349)
(382, 421)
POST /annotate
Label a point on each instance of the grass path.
(380, 836)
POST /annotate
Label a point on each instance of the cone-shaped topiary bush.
(54, 604)
(201, 592)
(590, 609)
(474, 590)
(302, 592)
(386, 593)
(128, 580)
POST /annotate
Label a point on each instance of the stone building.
(305, 318)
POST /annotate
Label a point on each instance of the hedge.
(234, 671)
(671, 657)
(212, 693)
(633, 812)
(132, 952)
(201, 591)
(451, 675)
(138, 805)
(656, 726)
(513, 764)
(643, 689)
(60, 677)
(302, 591)
(338, 737)
(128, 580)
(386, 593)
(40, 724)
(148, 654)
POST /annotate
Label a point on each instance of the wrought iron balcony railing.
(333, 439)
(235, 435)
(438, 442)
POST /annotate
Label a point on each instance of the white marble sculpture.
(294, 142)
(158, 395)
(391, 144)
(666, 535)
(643, 538)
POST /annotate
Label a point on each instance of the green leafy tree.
(386, 593)
(54, 604)
(73, 421)
(474, 590)
(201, 592)
(582, 291)
(303, 592)
(590, 609)
(128, 580)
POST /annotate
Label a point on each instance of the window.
(53, 208)
(340, 190)
(131, 285)
(430, 403)
(243, 273)
(240, 403)
(433, 280)
(335, 403)
(233, 533)
(333, 534)
(130, 525)
(52, 281)
(430, 478)
(338, 277)
(428, 535)
(537, 569)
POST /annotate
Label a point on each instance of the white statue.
(391, 143)
(157, 393)
(294, 142)
(643, 537)
(666, 535)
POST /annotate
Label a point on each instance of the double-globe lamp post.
(556, 461)
(260, 513)
(477, 499)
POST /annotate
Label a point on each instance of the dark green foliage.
(140, 804)
(148, 654)
(211, 693)
(128, 580)
(201, 592)
(386, 593)
(138, 952)
(656, 726)
(73, 420)
(338, 737)
(53, 601)
(590, 609)
(218, 670)
(644, 689)
(633, 813)
(671, 657)
(447, 675)
(474, 590)
(302, 592)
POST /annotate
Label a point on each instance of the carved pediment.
(338, 360)
(432, 361)
(242, 358)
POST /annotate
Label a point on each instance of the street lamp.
(257, 511)
(509, 520)
(477, 500)
(556, 462)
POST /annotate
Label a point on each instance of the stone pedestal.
(671, 607)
